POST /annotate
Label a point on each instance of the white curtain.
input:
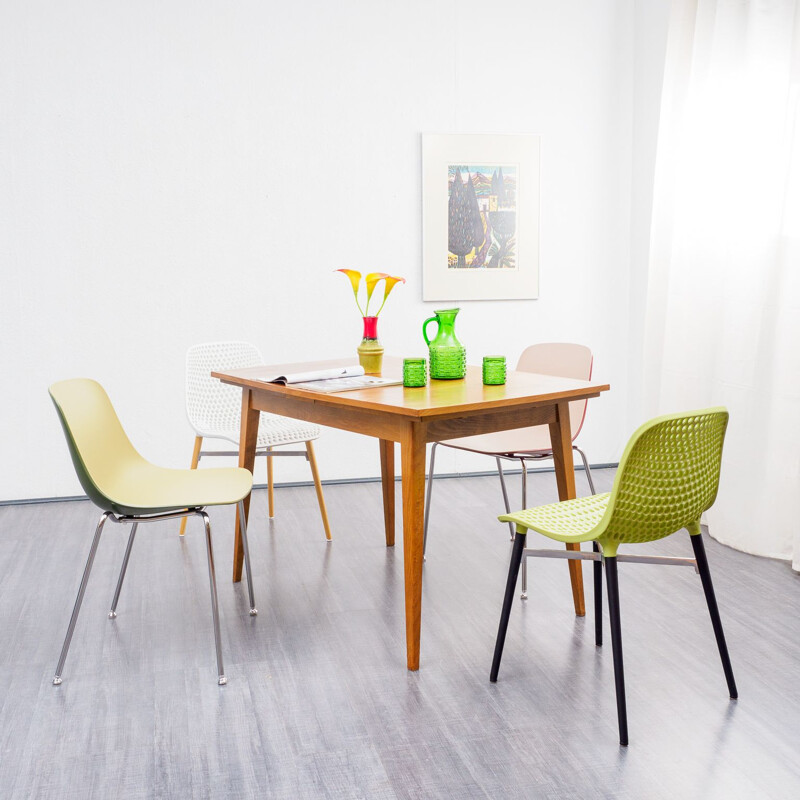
(723, 308)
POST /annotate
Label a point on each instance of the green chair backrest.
(667, 477)
(97, 442)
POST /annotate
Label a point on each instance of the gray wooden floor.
(319, 702)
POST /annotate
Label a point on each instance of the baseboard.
(439, 476)
(332, 482)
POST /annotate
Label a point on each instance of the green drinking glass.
(494, 370)
(414, 372)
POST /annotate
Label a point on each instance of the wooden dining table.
(414, 417)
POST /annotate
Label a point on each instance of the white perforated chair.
(563, 360)
(214, 411)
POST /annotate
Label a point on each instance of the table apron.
(438, 430)
(395, 427)
(357, 420)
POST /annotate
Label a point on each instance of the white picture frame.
(498, 195)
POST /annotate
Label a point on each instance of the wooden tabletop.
(436, 399)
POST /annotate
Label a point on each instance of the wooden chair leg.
(270, 485)
(198, 443)
(511, 585)
(312, 460)
(612, 585)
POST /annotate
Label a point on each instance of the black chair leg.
(616, 647)
(598, 598)
(713, 610)
(511, 584)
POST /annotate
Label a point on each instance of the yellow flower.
(371, 281)
(355, 277)
(391, 282)
(355, 281)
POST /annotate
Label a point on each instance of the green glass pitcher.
(448, 357)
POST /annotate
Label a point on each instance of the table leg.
(270, 484)
(387, 480)
(561, 441)
(412, 457)
(248, 434)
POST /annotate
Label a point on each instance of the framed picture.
(480, 217)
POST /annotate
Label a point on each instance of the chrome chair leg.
(81, 591)
(524, 570)
(586, 468)
(113, 613)
(428, 498)
(524, 483)
(212, 579)
(505, 494)
(243, 525)
(524, 578)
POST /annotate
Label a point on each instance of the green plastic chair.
(130, 490)
(667, 477)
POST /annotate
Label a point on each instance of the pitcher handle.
(424, 327)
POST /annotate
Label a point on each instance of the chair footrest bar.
(668, 561)
(270, 453)
(573, 555)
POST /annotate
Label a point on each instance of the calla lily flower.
(354, 276)
(391, 282)
(355, 281)
(372, 281)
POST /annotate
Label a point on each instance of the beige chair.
(130, 491)
(528, 444)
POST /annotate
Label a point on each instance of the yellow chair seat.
(138, 487)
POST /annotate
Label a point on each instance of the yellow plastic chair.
(130, 490)
(667, 477)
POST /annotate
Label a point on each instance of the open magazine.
(339, 379)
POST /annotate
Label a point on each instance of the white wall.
(187, 171)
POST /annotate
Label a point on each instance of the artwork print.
(482, 216)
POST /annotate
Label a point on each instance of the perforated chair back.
(564, 360)
(212, 406)
(667, 477)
